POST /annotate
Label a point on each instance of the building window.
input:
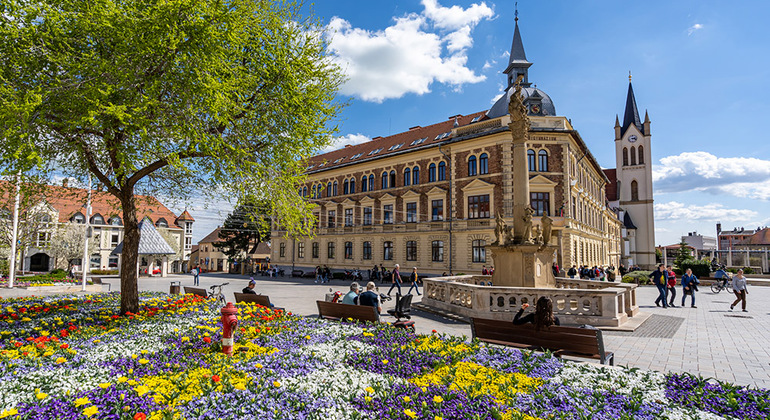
(367, 216)
(392, 180)
(625, 156)
(115, 239)
(437, 210)
(634, 191)
(99, 220)
(282, 250)
(353, 186)
(641, 155)
(407, 176)
(478, 247)
(329, 189)
(346, 187)
(330, 248)
(367, 253)
(472, 166)
(411, 250)
(188, 243)
(483, 164)
(334, 189)
(371, 182)
(542, 157)
(411, 212)
(384, 180)
(387, 214)
(96, 261)
(303, 191)
(115, 221)
(78, 218)
(300, 250)
(387, 251)
(633, 156)
(113, 262)
(43, 239)
(161, 223)
(415, 175)
(432, 172)
(315, 250)
(478, 206)
(348, 250)
(437, 251)
(364, 184)
(188, 228)
(348, 217)
(331, 218)
(531, 160)
(442, 171)
(540, 202)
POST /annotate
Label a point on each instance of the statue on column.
(527, 236)
(547, 223)
(500, 229)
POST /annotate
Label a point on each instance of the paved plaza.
(732, 346)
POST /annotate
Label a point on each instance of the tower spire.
(517, 63)
(631, 114)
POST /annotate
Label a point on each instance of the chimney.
(98, 187)
(65, 182)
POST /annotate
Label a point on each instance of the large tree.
(245, 228)
(173, 98)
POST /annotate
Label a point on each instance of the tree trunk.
(129, 290)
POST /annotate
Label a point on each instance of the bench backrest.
(578, 340)
(344, 311)
(195, 291)
(249, 298)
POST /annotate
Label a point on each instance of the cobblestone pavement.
(711, 340)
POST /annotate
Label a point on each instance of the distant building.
(669, 252)
(700, 242)
(729, 238)
(760, 240)
(211, 258)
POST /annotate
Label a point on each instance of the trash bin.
(329, 297)
(175, 287)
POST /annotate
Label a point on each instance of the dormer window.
(161, 223)
(97, 219)
(78, 218)
(115, 221)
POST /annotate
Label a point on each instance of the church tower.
(634, 174)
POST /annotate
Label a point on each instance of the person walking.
(395, 280)
(572, 272)
(318, 274)
(689, 286)
(671, 285)
(414, 278)
(659, 278)
(196, 272)
(740, 290)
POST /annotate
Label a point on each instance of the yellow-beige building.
(428, 197)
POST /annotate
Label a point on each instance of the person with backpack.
(689, 287)
(414, 278)
(671, 285)
(572, 272)
(196, 272)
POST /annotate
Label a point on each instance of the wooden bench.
(562, 341)
(297, 273)
(261, 300)
(339, 311)
(195, 291)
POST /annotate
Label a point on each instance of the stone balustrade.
(574, 301)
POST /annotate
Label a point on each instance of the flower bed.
(75, 357)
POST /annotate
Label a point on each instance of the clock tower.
(634, 183)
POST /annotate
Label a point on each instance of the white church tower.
(634, 174)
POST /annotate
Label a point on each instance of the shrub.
(58, 271)
(338, 275)
(746, 270)
(4, 268)
(699, 268)
(638, 277)
(101, 272)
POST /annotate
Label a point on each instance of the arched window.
(320, 190)
(364, 186)
(115, 220)
(304, 191)
(641, 155)
(633, 156)
(78, 218)
(531, 160)
(542, 161)
(334, 188)
(97, 219)
(625, 156)
(328, 189)
(432, 172)
(407, 176)
(384, 180)
(634, 191)
(161, 223)
(353, 186)
(387, 250)
(483, 164)
(415, 175)
(392, 180)
(479, 249)
(346, 187)
(472, 166)
(371, 182)
(442, 171)
(348, 250)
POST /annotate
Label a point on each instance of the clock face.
(632, 139)
(535, 109)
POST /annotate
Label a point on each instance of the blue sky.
(699, 67)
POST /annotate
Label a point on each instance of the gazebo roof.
(150, 241)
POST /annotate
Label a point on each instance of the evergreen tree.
(245, 228)
(684, 254)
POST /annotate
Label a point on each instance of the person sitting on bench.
(249, 290)
(369, 298)
(542, 317)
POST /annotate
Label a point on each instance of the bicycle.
(218, 295)
(721, 284)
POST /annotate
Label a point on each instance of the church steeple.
(631, 116)
(517, 63)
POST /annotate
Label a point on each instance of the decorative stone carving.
(527, 231)
(500, 229)
(547, 224)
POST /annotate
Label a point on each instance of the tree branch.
(160, 163)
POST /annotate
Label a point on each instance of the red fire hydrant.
(229, 323)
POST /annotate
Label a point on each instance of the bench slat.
(195, 291)
(344, 311)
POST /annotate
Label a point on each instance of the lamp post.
(88, 234)
(14, 235)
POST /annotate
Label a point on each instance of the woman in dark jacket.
(542, 317)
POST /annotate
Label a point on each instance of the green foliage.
(104, 272)
(746, 270)
(58, 271)
(700, 268)
(44, 278)
(4, 267)
(245, 228)
(638, 277)
(684, 254)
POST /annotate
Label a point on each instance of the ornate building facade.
(428, 197)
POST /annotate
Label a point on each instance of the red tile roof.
(68, 201)
(185, 217)
(612, 186)
(211, 237)
(407, 140)
(761, 237)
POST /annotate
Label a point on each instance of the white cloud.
(694, 28)
(410, 55)
(675, 210)
(350, 139)
(488, 65)
(702, 171)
